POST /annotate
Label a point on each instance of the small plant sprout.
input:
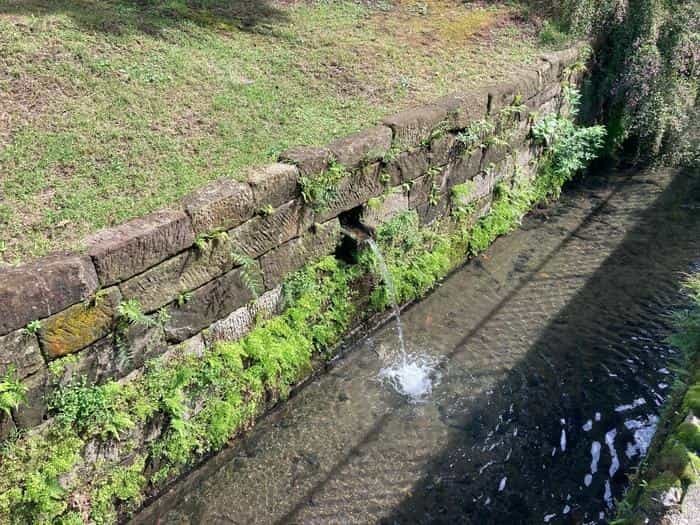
(183, 298)
(251, 274)
(266, 210)
(132, 313)
(33, 327)
(318, 191)
(12, 391)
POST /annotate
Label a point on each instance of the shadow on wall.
(154, 17)
(619, 301)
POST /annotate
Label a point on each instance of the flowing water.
(411, 375)
(541, 364)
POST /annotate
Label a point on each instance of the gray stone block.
(243, 320)
(42, 288)
(80, 325)
(207, 304)
(390, 205)
(220, 205)
(464, 168)
(20, 350)
(443, 149)
(364, 147)
(291, 256)
(413, 163)
(274, 184)
(429, 186)
(33, 411)
(352, 191)
(263, 233)
(124, 251)
(185, 272)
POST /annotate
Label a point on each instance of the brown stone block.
(42, 288)
(263, 233)
(187, 271)
(367, 146)
(219, 205)
(124, 251)
(463, 109)
(310, 160)
(291, 256)
(413, 127)
(274, 184)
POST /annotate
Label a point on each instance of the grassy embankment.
(110, 110)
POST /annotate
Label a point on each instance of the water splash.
(411, 375)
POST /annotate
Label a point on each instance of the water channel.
(550, 366)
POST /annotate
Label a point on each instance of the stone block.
(310, 160)
(364, 147)
(187, 271)
(502, 95)
(135, 246)
(414, 127)
(20, 350)
(428, 187)
(464, 167)
(352, 191)
(80, 325)
(390, 205)
(140, 344)
(274, 184)
(97, 363)
(265, 232)
(443, 149)
(211, 302)
(220, 205)
(7, 426)
(463, 109)
(42, 288)
(292, 255)
(243, 320)
(412, 164)
(494, 154)
(33, 411)
(429, 212)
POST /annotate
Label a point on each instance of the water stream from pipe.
(411, 375)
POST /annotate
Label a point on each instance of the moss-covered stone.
(80, 325)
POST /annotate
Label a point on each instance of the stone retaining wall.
(180, 268)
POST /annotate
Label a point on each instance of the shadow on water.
(154, 17)
(556, 388)
(553, 371)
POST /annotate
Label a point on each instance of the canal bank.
(551, 368)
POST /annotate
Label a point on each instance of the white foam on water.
(566, 510)
(588, 480)
(487, 465)
(597, 416)
(664, 371)
(636, 403)
(644, 431)
(615, 462)
(562, 440)
(502, 484)
(588, 426)
(549, 517)
(663, 386)
(608, 495)
(595, 456)
(412, 376)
